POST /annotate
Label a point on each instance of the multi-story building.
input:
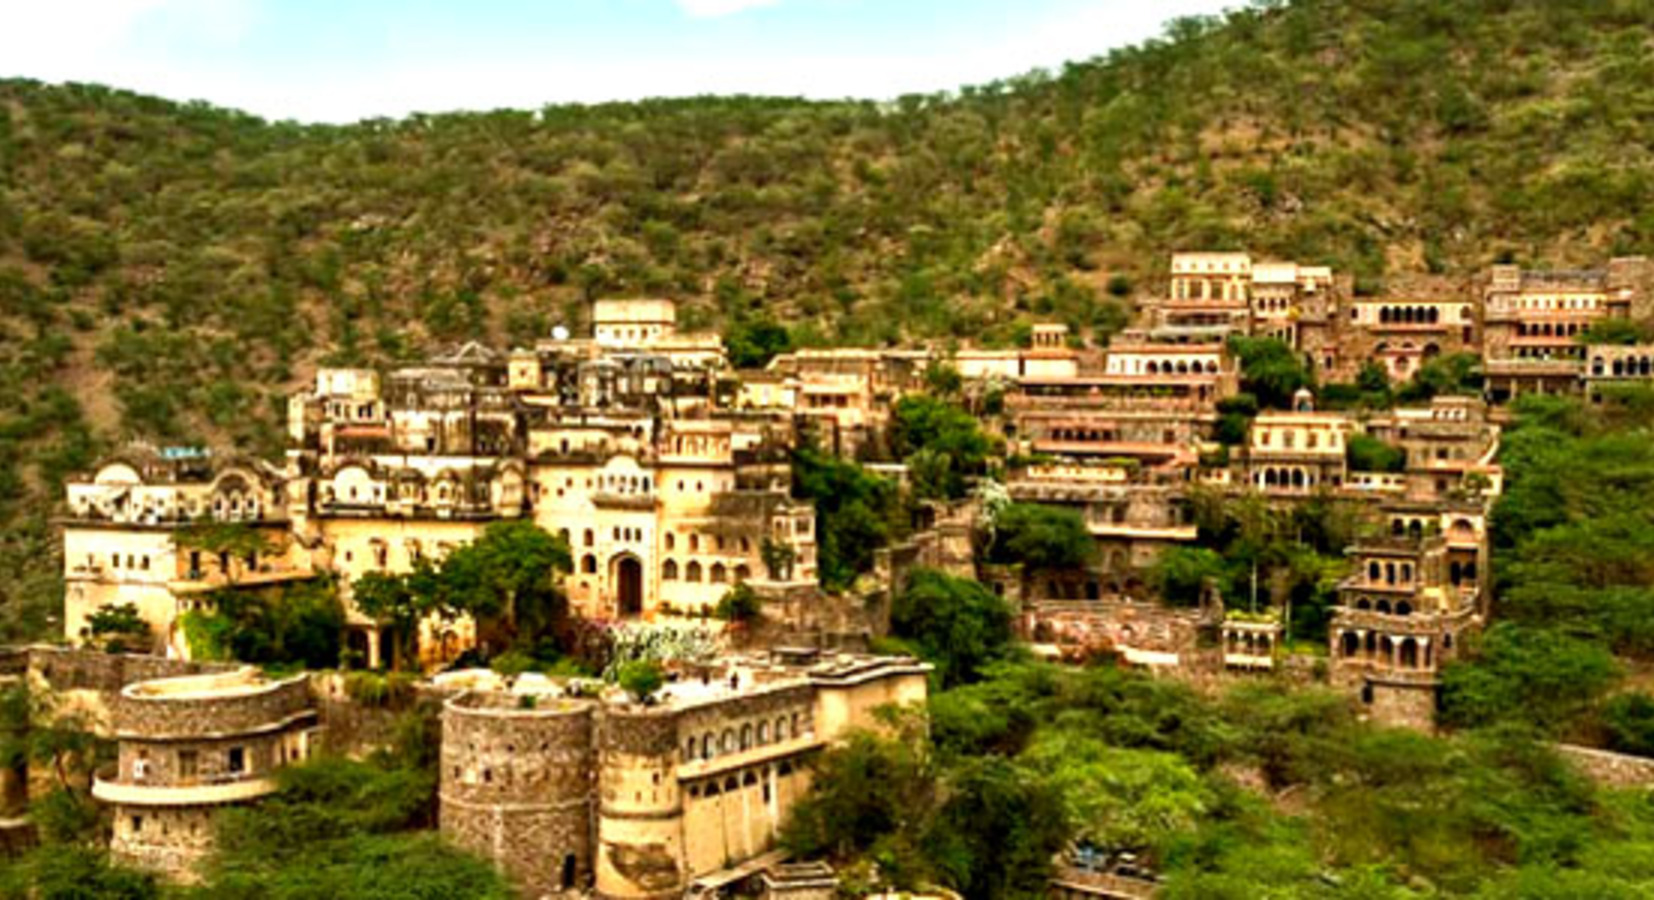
(1231, 293)
(569, 791)
(1533, 321)
(1298, 452)
(1208, 290)
(162, 529)
(1449, 447)
(191, 745)
(1153, 402)
(1133, 513)
(1614, 365)
(1298, 305)
(625, 443)
(1404, 611)
(1403, 334)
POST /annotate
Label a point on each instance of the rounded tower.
(640, 817)
(516, 786)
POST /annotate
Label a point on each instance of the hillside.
(169, 270)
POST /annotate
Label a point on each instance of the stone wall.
(355, 729)
(69, 669)
(144, 714)
(1409, 705)
(1609, 769)
(516, 786)
(169, 840)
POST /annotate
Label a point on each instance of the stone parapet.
(208, 706)
(1609, 769)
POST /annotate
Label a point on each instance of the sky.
(343, 60)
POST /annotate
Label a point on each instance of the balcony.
(729, 762)
(203, 792)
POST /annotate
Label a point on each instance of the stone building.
(1450, 447)
(1132, 512)
(1208, 290)
(1611, 365)
(1534, 318)
(1402, 334)
(570, 790)
(1298, 452)
(139, 530)
(1402, 614)
(1153, 402)
(189, 746)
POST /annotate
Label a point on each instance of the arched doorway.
(629, 586)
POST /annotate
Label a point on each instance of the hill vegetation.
(170, 270)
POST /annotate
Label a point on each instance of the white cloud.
(707, 9)
(98, 40)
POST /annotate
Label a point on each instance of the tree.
(292, 623)
(344, 828)
(1628, 719)
(1539, 678)
(1270, 370)
(942, 444)
(77, 873)
(752, 343)
(1041, 538)
(1118, 799)
(856, 513)
(739, 604)
(641, 678)
(865, 790)
(119, 628)
(400, 602)
(1180, 575)
(1457, 373)
(957, 624)
(1235, 415)
(507, 580)
(1365, 453)
(998, 830)
(1614, 330)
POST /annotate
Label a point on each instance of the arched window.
(588, 564)
(694, 543)
(693, 572)
(671, 541)
(719, 574)
(590, 538)
(743, 572)
(669, 570)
